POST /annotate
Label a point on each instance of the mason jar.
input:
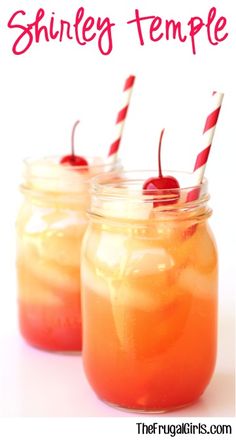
(50, 227)
(149, 293)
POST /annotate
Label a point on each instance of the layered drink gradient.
(149, 297)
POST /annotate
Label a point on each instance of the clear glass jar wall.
(50, 227)
(149, 293)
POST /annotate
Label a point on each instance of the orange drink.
(149, 294)
(50, 227)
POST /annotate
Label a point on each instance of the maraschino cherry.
(162, 183)
(72, 159)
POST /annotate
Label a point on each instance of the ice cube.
(103, 248)
(167, 226)
(148, 319)
(127, 209)
(51, 264)
(204, 254)
(91, 280)
(145, 278)
(149, 260)
(196, 248)
(56, 247)
(34, 290)
(35, 225)
(56, 275)
(60, 248)
(197, 283)
(111, 249)
(46, 175)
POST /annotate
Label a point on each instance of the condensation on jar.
(149, 294)
(50, 226)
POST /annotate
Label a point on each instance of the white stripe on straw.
(121, 117)
(207, 139)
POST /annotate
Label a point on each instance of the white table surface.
(36, 383)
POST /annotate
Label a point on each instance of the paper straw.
(207, 139)
(121, 117)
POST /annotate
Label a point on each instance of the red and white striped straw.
(207, 139)
(121, 116)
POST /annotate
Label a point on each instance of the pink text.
(159, 28)
(83, 30)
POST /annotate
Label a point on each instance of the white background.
(42, 93)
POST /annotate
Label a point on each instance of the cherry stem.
(159, 153)
(73, 138)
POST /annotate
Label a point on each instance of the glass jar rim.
(120, 195)
(46, 176)
(106, 183)
(54, 160)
